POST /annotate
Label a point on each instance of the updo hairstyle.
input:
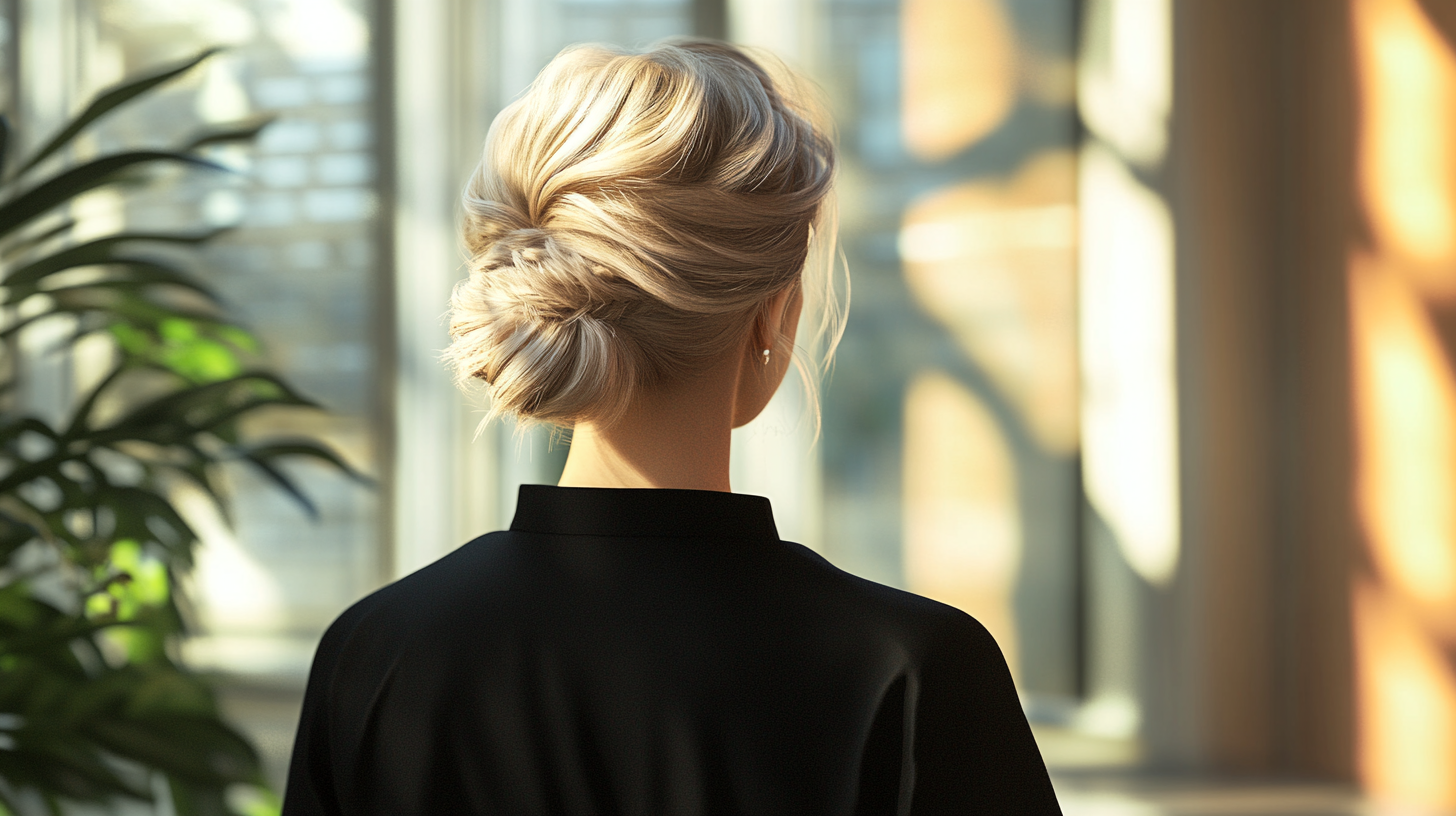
(630, 215)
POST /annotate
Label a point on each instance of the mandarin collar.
(643, 513)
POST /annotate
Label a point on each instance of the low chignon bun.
(630, 213)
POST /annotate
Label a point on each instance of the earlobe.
(763, 332)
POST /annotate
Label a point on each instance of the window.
(300, 263)
(949, 458)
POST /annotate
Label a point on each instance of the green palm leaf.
(68, 184)
(305, 449)
(99, 251)
(109, 100)
(133, 275)
(241, 131)
(94, 726)
(117, 304)
(4, 141)
(24, 244)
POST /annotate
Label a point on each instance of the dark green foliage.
(109, 100)
(94, 706)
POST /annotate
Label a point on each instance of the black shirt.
(656, 651)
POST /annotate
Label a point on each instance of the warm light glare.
(959, 80)
(1125, 89)
(962, 542)
(1407, 77)
(785, 29)
(1129, 391)
(1407, 719)
(985, 231)
(1405, 400)
(328, 31)
(996, 264)
(241, 595)
(1401, 288)
(218, 22)
(222, 97)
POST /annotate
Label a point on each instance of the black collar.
(643, 513)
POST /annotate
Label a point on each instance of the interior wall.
(1224, 192)
(1244, 660)
(1249, 665)
(442, 87)
(1317, 528)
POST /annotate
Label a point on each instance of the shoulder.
(934, 624)
(398, 607)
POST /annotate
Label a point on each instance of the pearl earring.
(765, 356)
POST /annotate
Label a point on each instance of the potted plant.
(95, 705)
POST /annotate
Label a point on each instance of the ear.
(769, 321)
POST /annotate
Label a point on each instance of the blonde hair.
(630, 214)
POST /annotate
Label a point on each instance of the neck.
(674, 436)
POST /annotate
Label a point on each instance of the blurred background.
(1149, 365)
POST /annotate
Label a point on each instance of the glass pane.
(950, 425)
(299, 265)
(948, 463)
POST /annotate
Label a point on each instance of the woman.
(640, 640)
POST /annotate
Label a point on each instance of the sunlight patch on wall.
(996, 264)
(958, 75)
(1125, 87)
(1408, 127)
(1405, 402)
(1401, 290)
(1129, 389)
(1407, 711)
